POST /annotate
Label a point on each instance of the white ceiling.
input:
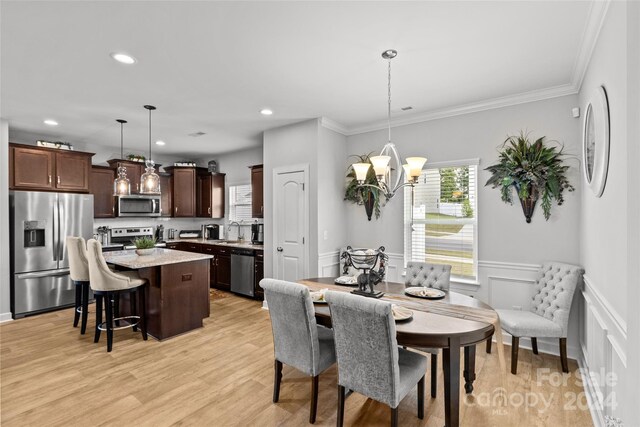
(211, 66)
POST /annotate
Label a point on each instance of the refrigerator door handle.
(39, 274)
(56, 231)
(61, 238)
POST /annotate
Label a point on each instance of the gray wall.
(5, 302)
(609, 225)
(332, 226)
(287, 146)
(504, 236)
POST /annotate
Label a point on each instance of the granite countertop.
(244, 244)
(161, 256)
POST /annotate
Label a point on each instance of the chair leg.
(394, 417)
(314, 399)
(109, 310)
(78, 304)
(421, 397)
(99, 299)
(133, 307)
(116, 308)
(534, 345)
(515, 343)
(276, 380)
(341, 397)
(434, 375)
(489, 345)
(143, 312)
(85, 307)
(563, 355)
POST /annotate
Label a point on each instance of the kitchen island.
(177, 297)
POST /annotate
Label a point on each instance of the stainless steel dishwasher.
(243, 271)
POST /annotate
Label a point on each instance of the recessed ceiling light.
(50, 122)
(160, 142)
(123, 58)
(266, 112)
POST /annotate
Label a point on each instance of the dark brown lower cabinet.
(223, 270)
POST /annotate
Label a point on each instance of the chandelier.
(121, 185)
(387, 166)
(150, 181)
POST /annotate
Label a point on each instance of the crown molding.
(333, 125)
(592, 29)
(590, 35)
(489, 104)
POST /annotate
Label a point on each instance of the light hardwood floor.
(222, 375)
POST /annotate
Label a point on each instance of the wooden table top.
(428, 327)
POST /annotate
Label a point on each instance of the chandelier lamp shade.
(150, 181)
(121, 185)
(391, 174)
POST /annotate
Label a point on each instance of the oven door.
(139, 206)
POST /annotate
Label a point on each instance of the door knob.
(279, 249)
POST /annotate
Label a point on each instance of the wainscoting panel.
(603, 359)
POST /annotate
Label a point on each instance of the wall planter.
(535, 169)
(367, 196)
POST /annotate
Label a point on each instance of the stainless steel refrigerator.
(40, 223)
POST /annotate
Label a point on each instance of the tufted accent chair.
(429, 275)
(435, 276)
(549, 314)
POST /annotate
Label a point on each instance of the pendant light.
(121, 185)
(381, 164)
(150, 181)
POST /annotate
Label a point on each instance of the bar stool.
(107, 286)
(79, 273)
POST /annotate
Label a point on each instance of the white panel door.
(290, 225)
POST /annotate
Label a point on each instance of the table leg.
(469, 367)
(451, 364)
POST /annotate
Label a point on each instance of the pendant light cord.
(389, 100)
(121, 141)
(149, 134)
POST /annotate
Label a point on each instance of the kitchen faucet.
(240, 236)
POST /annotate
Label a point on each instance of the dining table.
(454, 323)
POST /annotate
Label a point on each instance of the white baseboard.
(590, 392)
(5, 317)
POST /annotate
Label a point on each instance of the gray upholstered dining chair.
(79, 273)
(108, 285)
(436, 276)
(297, 340)
(549, 314)
(369, 360)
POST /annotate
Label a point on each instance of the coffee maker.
(257, 233)
(214, 232)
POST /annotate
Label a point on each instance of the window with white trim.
(440, 218)
(240, 203)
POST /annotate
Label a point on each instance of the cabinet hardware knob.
(58, 179)
(209, 210)
(279, 249)
(49, 179)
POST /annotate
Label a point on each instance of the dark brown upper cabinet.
(48, 169)
(184, 191)
(134, 172)
(101, 186)
(257, 192)
(166, 194)
(210, 194)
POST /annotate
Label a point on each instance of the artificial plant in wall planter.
(367, 196)
(535, 169)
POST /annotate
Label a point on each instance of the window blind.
(440, 219)
(240, 203)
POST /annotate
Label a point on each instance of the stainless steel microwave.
(139, 205)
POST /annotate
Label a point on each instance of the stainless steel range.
(126, 236)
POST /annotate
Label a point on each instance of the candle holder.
(367, 260)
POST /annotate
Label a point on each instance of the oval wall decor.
(595, 141)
